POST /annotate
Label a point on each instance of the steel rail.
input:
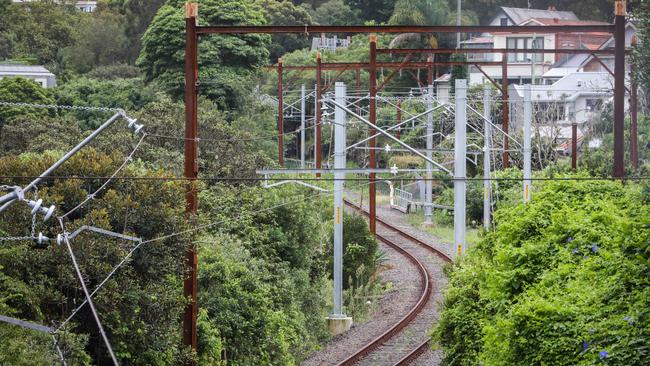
(422, 302)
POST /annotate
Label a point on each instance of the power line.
(251, 179)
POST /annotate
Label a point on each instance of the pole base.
(338, 324)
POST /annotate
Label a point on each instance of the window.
(504, 22)
(525, 43)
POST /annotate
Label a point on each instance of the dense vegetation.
(265, 254)
(561, 281)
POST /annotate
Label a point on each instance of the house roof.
(519, 15)
(477, 40)
(16, 69)
(558, 21)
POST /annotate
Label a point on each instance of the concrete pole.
(302, 126)
(428, 184)
(338, 322)
(340, 117)
(460, 156)
(280, 114)
(487, 182)
(318, 148)
(458, 10)
(505, 109)
(398, 117)
(528, 121)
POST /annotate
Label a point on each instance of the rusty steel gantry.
(195, 31)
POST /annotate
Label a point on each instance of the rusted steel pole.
(505, 109)
(372, 142)
(318, 112)
(191, 171)
(619, 90)
(430, 70)
(398, 118)
(634, 144)
(574, 145)
(280, 115)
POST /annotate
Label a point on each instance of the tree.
(225, 61)
(373, 10)
(138, 14)
(334, 12)
(642, 51)
(128, 94)
(285, 13)
(38, 30)
(21, 90)
(458, 71)
(99, 39)
(141, 304)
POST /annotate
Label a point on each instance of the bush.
(562, 281)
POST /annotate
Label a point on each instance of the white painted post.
(428, 191)
(528, 120)
(302, 126)
(460, 154)
(340, 117)
(487, 181)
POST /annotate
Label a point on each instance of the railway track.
(407, 339)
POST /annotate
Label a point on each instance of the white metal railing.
(401, 200)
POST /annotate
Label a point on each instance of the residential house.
(37, 73)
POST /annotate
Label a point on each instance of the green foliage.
(225, 62)
(128, 94)
(99, 40)
(285, 13)
(378, 11)
(38, 29)
(114, 71)
(360, 250)
(642, 52)
(561, 280)
(23, 90)
(458, 71)
(334, 12)
(265, 262)
(141, 304)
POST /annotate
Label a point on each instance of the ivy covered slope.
(562, 281)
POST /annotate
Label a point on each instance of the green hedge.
(562, 281)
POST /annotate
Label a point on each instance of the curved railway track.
(397, 341)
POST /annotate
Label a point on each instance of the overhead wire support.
(87, 294)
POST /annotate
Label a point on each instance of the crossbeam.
(367, 29)
(427, 51)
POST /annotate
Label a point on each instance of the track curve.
(392, 333)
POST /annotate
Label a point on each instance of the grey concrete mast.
(338, 322)
(302, 126)
(460, 157)
(528, 120)
(487, 181)
(428, 184)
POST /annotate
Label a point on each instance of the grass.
(443, 231)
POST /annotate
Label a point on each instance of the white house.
(39, 74)
(515, 16)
